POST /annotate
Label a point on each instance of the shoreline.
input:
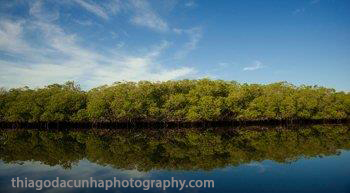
(62, 125)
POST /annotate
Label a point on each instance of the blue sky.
(100, 42)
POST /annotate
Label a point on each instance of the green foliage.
(63, 102)
(52, 103)
(3, 101)
(183, 100)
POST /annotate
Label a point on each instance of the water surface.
(255, 159)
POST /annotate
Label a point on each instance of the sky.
(101, 42)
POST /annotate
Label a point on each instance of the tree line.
(186, 149)
(173, 101)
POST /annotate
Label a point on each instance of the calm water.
(299, 159)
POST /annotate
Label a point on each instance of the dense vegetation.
(184, 100)
(189, 149)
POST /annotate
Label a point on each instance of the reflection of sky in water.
(327, 174)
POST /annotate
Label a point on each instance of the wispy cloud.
(84, 22)
(191, 4)
(67, 60)
(11, 36)
(194, 36)
(305, 7)
(298, 11)
(257, 65)
(56, 54)
(146, 17)
(93, 8)
(59, 56)
(38, 11)
(140, 12)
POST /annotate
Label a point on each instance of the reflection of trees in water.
(187, 149)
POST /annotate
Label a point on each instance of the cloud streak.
(257, 65)
(305, 7)
(140, 12)
(93, 8)
(146, 17)
(194, 35)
